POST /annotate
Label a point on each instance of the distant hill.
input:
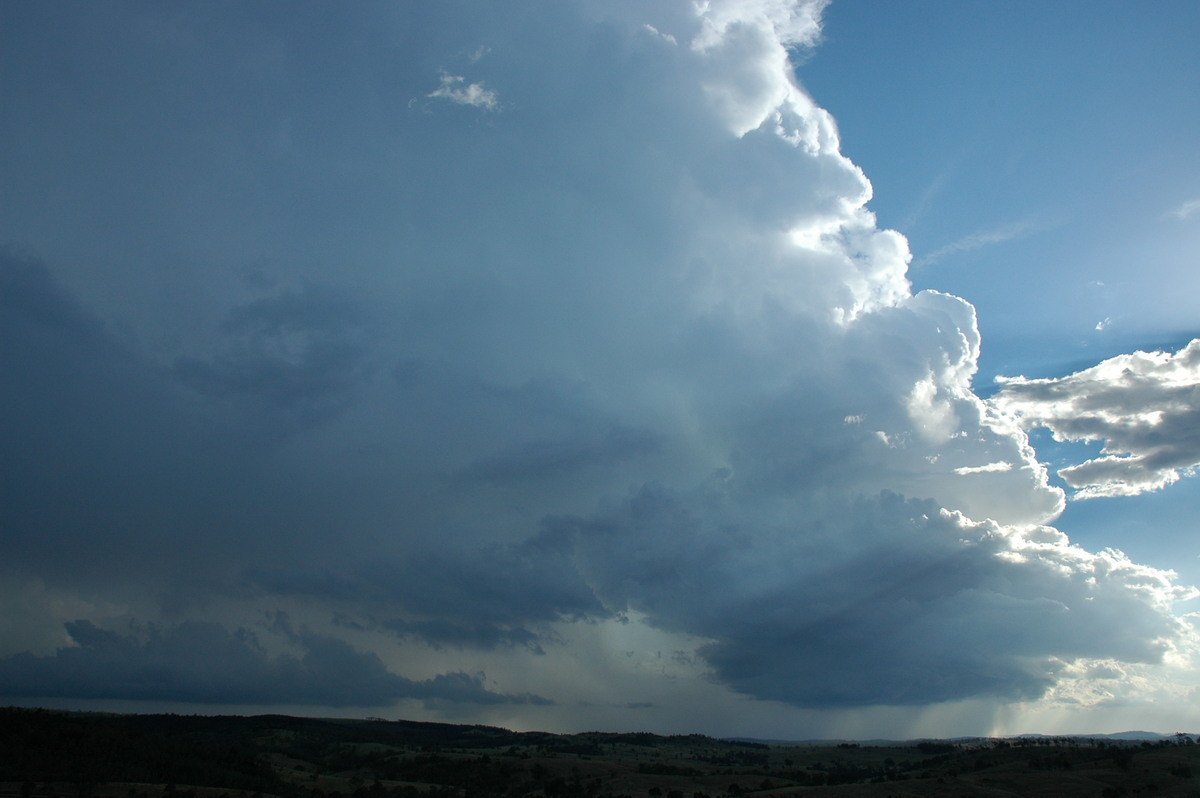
(1125, 735)
(52, 754)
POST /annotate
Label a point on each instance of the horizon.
(1128, 735)
(784, 368)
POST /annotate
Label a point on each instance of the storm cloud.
(466, 334)
(203, 663)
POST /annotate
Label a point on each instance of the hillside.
(92, 755)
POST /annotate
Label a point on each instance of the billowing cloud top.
(504, 332)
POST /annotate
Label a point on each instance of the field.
(93, 755)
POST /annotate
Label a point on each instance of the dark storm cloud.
(869, 601)
(628, 344)
(203, 663)
(482, 595)
(93, 431)
(444, 633)
(131, 461)
(540, 459)
(288, 359)
(89, 429)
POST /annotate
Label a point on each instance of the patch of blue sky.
(1035, 155)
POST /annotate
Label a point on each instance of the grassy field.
(92, 755)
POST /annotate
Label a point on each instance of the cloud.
(556, 456)
(203, 663)
(461, 591)
(653, 31)
(984, 238)
(443, 633)
(1144, 407)
(988, 468)
(1186, 209)
(877, 601)
(635, 348)
(789, 23)
(456, 89)
(745, 61)
(290, 355)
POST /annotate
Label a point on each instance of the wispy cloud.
(926, 198)
(456, 89)
(656, 32)
(985, 238)
(1187, 209)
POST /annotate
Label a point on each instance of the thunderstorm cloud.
(617, 389)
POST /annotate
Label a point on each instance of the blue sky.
(740, 368)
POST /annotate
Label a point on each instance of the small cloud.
(1186, 209)
(1104, 325)
(456, 89)
(656, 32)
(990, 468)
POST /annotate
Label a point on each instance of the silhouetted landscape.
(98, 755)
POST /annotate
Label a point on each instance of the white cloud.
(988, 468)
(789, 22)
(746, 69)
(1144, 407)
(456, 89)
(667, 37)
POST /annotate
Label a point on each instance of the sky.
(764, 368)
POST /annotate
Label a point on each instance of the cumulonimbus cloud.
(1144, 407)
(640, 349)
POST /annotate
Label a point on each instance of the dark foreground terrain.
(93, 755)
